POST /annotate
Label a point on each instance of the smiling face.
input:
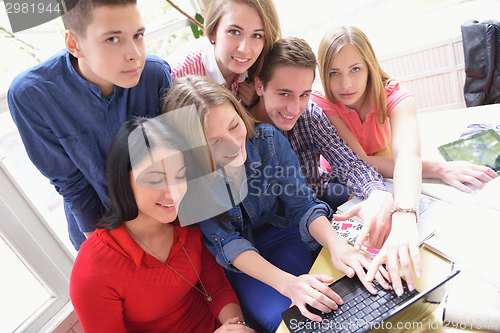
(160, 187)
(349, 77)
(113, 51)
(239, 40)
(286, 95)
(227, 134)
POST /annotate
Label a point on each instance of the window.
(13, 295)
(35, 264)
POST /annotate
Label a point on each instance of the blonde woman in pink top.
(378, 120)
(373, 137)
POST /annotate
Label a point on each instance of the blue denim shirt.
(67, 126)
(274, 179)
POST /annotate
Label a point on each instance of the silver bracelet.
(397, 209)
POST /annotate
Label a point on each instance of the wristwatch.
(397, 209)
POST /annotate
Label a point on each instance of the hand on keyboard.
(349, 261)
(401, 247)
(310, 289)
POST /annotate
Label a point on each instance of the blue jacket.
(277, 194)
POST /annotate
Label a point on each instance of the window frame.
(31, 238)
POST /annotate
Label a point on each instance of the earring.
(212, 41)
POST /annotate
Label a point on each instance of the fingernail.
(410, 287)
(399, 291)
(419, 274)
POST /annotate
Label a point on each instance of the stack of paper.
(472, 303)
(469, 231)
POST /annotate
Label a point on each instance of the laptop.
(364, 312)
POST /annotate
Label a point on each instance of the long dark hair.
(133, 142)
(129, 141)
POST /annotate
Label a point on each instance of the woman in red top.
(140, 271)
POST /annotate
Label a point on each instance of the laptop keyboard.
(360, 310)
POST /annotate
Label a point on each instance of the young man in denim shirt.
(68, 108)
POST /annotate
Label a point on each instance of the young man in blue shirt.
(68, 108)
(283, 87)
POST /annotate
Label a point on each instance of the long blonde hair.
(199, 93)
(331, 44)
(268, 15)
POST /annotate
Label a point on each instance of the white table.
(440, 127)
(436, 128)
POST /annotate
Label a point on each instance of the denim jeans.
(261, 304)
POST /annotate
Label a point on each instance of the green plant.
(197, 32)
(195, 23)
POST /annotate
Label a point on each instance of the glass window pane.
(174, 48)
(38, 188)
(26, 48)
(156, 13)
(20, 291)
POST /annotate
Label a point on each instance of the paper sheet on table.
(469, 235)
(472, 302)
(438, 189)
